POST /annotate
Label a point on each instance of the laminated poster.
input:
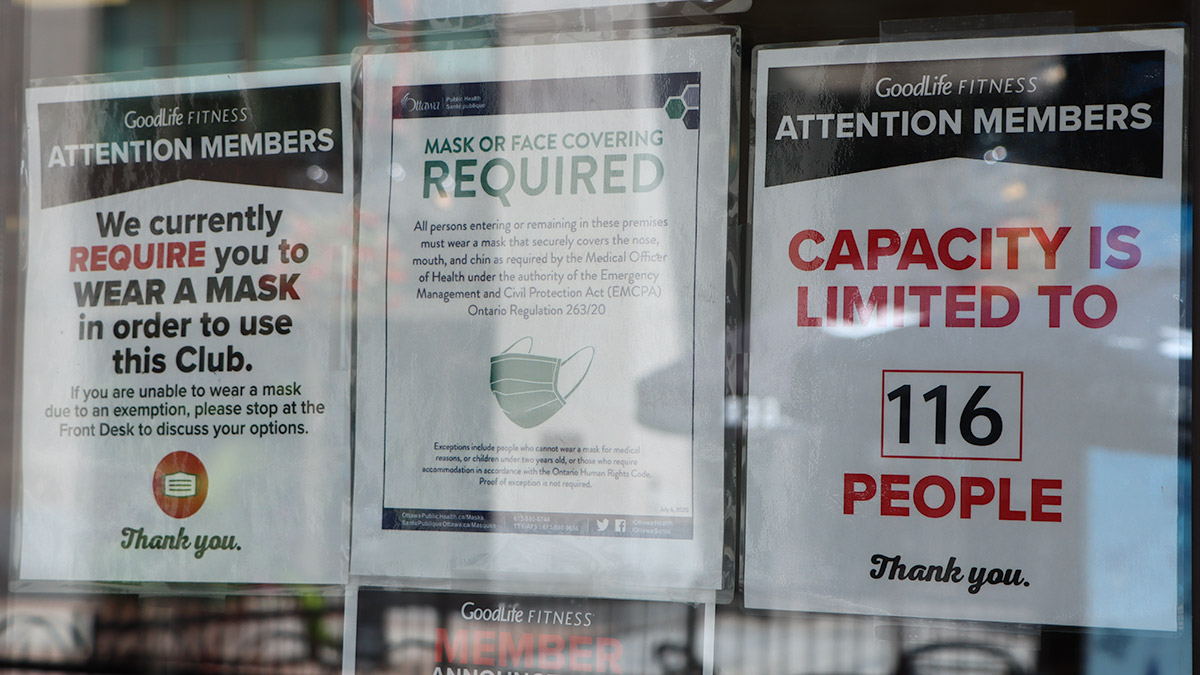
(476, 634)
(542, 280)
(393, 11)
(965, 330)
(186, 359)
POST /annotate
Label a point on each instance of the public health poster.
(392, 11)
(965, 328)
(449, 634)
(541, 315)
(186, 357)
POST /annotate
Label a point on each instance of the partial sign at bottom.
(448, 634)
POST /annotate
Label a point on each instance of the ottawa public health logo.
(180, 484)
(411, 104)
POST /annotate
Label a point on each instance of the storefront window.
(583, 337)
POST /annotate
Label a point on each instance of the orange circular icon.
(180, 484)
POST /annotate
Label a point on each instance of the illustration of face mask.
(526, 385)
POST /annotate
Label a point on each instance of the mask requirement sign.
(186, 349)
(965, 324)
(542, 300)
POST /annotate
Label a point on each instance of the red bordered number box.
(952, 414)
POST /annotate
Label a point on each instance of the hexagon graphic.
(691, 95)
(675, 107)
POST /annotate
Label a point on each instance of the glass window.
(267, 623)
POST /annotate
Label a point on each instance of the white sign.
(965, 330)
(393, 11)
(542, 301)
(186, 356)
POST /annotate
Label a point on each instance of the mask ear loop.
(528, 351)
(585, 370)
